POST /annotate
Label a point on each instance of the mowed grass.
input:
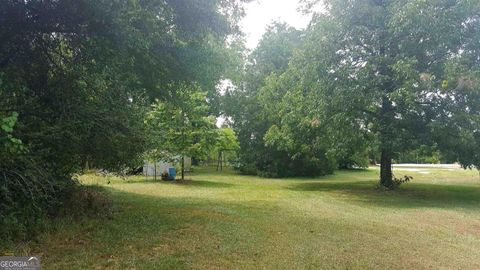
(228, 221)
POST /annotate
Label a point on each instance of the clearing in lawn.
(228, 221)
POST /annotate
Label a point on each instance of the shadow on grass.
(204, 183)
(156, 232)
(343, 174)
(186, 183)
(410, 195)
(147, 232)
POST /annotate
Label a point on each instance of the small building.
(149, 168)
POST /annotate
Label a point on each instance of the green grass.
(228, 221)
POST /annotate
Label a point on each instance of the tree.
(81, 75)
(251, 114)
(392, 73)
(182, 127)
(298, 129)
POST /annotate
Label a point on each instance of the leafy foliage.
(181, 128)
(377, 76)
(9, 144)
(78, 77)
(254, 111)
(424, 155)
(226, 140)
(225, 149)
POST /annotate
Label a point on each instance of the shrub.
(87, 201)
(28, 194)
(279, 164)
(402, 180)
(397, 182)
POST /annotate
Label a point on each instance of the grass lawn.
(228, 221)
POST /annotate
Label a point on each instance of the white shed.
(149, 168)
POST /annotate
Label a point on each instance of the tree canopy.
(77, 79)
(181, 128)
(370, 76)
(252, 112)
(104, 83)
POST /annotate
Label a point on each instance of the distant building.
(149, 169)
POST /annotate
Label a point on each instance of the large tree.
(396, 73)
(248, 106)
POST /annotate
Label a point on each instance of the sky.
(261, 13)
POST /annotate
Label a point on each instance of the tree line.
(110, 84)
(367, 80)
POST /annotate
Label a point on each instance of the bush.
(87, 201)
(28, 194)
(278, 164)
(31, 196)
(396, 182)
(246, 169)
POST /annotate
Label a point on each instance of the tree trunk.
(221, 161)
(387, 136)
(183, 167)
(386, 175)
(155, 171)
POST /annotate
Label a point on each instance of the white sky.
(261, 13)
